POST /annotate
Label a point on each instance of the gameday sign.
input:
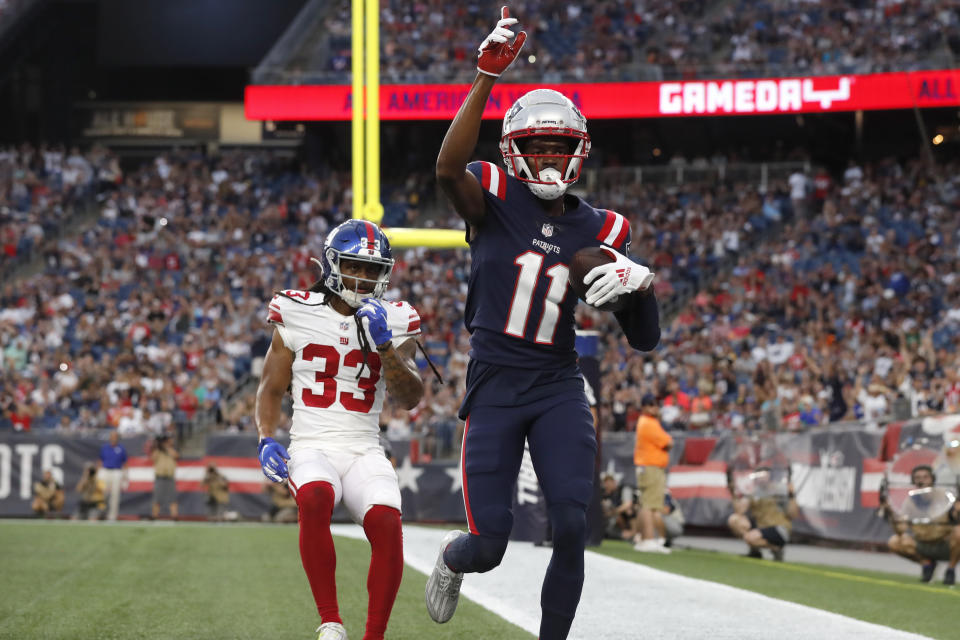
(822, 94)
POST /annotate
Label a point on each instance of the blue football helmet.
(356, 240)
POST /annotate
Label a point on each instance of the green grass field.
(890, 599)
(85, 580)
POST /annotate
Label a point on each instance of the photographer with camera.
(926, 542)
(761, 519)
(218, 492)
(47, 495)
(92, 501)
(164, 457)
(619, 508)
(283, 506)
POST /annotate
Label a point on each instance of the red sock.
(315, 500)
(382, 526)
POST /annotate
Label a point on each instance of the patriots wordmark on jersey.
(329, 400)
(530, 324)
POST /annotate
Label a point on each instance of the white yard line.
(624, 600)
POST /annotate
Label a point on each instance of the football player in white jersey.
(321, 352)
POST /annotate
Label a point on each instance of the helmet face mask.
(549, 116)
(356, 241)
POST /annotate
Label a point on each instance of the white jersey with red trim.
(337, 398)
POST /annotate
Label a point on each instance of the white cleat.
(443, 585)
(650, 546)
(332, 631)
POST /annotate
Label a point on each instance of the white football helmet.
(542, 113)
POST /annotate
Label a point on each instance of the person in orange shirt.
(651, 456)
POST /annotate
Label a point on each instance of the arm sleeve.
(640, 321)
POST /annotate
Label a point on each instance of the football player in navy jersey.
(523, 382)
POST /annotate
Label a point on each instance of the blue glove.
(376, 315)
(273, 459)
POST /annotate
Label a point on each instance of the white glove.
(612, 280)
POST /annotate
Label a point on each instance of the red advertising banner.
(901, 90)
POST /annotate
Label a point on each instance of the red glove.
(496, 51)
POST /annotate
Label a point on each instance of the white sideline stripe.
(697, 479)
(623, 600)
(615, 231)
(188, 474)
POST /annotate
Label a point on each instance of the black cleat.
(950, 577)
(927, 573)
(753, 553)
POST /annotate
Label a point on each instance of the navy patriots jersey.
(520, 307)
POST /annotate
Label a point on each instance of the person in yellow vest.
(164, 476)
(91, 488)
(47, 495)
(761, 520)
(651, 456)
(218, 492)
(929, 542)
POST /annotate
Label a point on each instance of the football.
(583, 261)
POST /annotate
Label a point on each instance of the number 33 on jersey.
(328, 397)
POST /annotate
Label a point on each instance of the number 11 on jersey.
(530, 264)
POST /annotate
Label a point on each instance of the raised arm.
(496, 53)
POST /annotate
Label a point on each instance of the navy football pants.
(563, 446)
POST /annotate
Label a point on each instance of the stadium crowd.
(145, 318)
(757, 347)
(212, 237)
(659, 39)
(40, 189)
(851, 312)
